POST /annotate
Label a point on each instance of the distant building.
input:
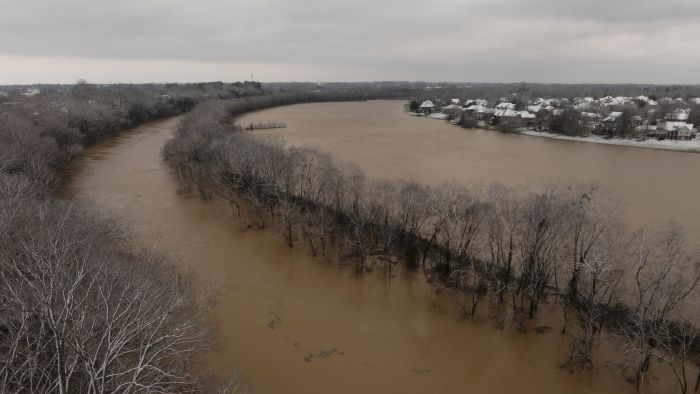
(479, 112)
(503, 106)
(427, 107)
(453, 110)
(679, 115)
(675, 130)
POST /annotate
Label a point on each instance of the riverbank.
(673, 145)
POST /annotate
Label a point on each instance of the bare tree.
(503, 224)
(676, 340)
(600, 274)
(664, 276)
(539, 245)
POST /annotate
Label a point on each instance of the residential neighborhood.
(638, 118)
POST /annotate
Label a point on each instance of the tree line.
(508, 250)
(84, 309)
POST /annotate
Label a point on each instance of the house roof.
(507, 112)
(674, 125)
(505, 106)
(679, 114)
(613, 115)
(452, 106)
(479, 109)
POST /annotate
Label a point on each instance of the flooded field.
(295, 324)
(652, 186)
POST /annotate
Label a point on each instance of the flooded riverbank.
(651, 186)
(295, 324)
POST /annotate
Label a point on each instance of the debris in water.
(323, 354)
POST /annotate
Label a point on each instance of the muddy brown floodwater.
(652, 186)
(295, 324)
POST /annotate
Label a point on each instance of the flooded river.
(295, 324)
(652, 186)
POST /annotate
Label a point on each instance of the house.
(479, 112)
(608, 100)
(645, 99)
(613, 117)
(528, 118)
(506, 105)
(591, 115)
(679, 115)
(31, 92)
(685, 133)
(514, 117)
(534, 108)
(453, 110)
(591, 121)
(427, 107)
(505, 113)
(675, 130)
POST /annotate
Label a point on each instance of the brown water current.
(651, 186)
(295, 324)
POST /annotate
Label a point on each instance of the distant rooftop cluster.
(639, 117)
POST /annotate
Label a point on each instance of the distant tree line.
(82, 308)
(512, 250)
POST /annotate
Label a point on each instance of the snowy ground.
(685, 146)
(436, 115)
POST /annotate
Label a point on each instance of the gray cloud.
(490, 40)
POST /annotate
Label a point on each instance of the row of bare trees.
(83, 309)
(553, 243)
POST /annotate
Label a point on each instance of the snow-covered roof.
(591, 115)
(505, 106)
(507, 112)
(31, 92)
(679, 114)
(451, 106)
(672, 126)
(613, 115)
(427, 104)
(479, 109)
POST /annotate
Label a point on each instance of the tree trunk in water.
(290, 241)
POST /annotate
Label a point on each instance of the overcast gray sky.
(655, 41)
